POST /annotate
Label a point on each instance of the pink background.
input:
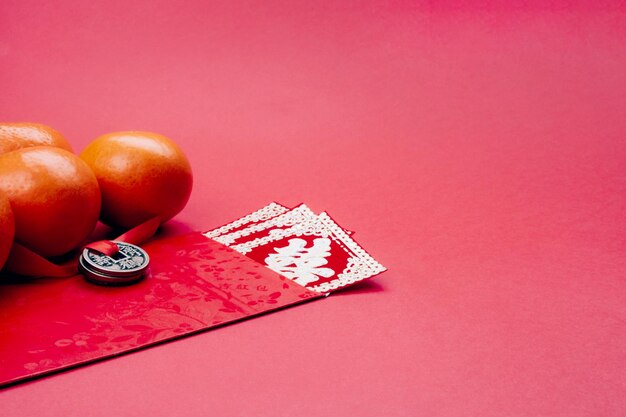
(477, 151)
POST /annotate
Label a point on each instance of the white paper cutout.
(299, 263)
(265, 213)
(292, 218)
(360, 264)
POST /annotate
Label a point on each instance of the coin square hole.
(118, 256)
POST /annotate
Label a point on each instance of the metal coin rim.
(98, 278)
(116, 272)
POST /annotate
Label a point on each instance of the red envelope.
(194, 284)
(312, 250)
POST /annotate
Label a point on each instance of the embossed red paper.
(195, 284)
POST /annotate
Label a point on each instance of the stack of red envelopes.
(310, 249)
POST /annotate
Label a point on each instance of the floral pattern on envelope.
(194, 284)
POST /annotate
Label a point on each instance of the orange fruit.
(54, 197)
(15, 136)
(141, 175)
(7, 228)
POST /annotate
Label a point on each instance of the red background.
(477, 150)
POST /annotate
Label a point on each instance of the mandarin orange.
(141, 175)
(15, 136)
(7, 228)
(54, 196)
